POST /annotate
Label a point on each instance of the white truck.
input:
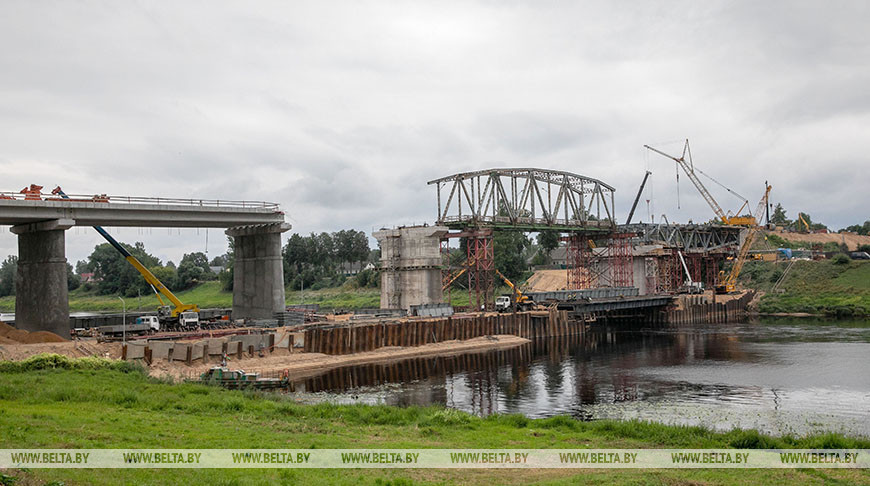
(143, 325)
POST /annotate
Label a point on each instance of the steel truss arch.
(525, 199)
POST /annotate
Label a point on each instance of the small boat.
(238, 379)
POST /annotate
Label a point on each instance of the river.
(778, 376)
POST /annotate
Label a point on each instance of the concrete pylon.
(41, 295)
(410, 266)
(258, 271)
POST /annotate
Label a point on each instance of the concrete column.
(41, 296)
(410, 266)
(258, 271)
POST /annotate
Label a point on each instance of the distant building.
(89, 277)
(352, 268)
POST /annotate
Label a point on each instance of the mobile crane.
(182, 315)
(730, 282)
(689, 169)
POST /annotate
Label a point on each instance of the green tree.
(73, 281)
(227, 275)
(116, 274)
(548, 241)
(778, 217)
(193, 269)
(167, 275)
(8, 269)
(509, 247)
(861, 229)
(81, 267)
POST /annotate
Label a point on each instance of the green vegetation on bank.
(210, 295)
(95, 405)
(816, 287)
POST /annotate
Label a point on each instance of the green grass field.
(100, 404)
(210, 295)
(816, 287)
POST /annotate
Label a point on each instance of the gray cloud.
(342, 111)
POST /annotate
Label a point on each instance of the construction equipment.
(730, 282)
(802, 220)
(505, 302)
(181, 315)
(637, 198)
(689, 169)
(689, 286)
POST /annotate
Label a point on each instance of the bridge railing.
(162, 201)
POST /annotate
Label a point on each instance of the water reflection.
(779, 377)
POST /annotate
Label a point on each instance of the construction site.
(620, 273)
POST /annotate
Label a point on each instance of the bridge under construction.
(655, 258)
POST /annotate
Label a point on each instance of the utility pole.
(123, 322)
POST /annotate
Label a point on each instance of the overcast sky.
(341, 111)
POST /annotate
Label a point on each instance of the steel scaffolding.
(480, 263)
(579, 260)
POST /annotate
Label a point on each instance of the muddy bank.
(301, 365)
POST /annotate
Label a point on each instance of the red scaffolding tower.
(579, 260)
(480, 262)
(621, 260)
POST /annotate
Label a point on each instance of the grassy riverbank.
(816, 287)
(112, 405)
(210, 295)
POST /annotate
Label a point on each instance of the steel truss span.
(525, 199)
(689, 237)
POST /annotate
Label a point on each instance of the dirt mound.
(17, 335)
(547, 281)
(42, 337)
(5, 329)
(6, 340)
(851, 240)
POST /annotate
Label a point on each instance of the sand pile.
(547, 281)
(10, 335)
(42, 337)
(5, 329)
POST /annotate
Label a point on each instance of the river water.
(779, 376)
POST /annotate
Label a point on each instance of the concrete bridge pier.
(258, 271)
(41, 295)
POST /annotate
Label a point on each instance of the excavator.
(183, 316)
(505, 302)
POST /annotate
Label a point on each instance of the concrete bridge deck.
(137, 211)
(40, 221)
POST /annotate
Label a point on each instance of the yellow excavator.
(505, 302)
(182, 315)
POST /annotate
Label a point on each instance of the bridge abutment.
(258, 271)
(41, 295)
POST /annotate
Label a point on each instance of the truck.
(503, 303)
(182, 316)
(142, 325)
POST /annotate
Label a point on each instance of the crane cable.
(721, 185)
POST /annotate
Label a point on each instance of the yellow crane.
(184, 314)
(689, 168)
(730, 282)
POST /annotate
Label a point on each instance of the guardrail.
(163, 201)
